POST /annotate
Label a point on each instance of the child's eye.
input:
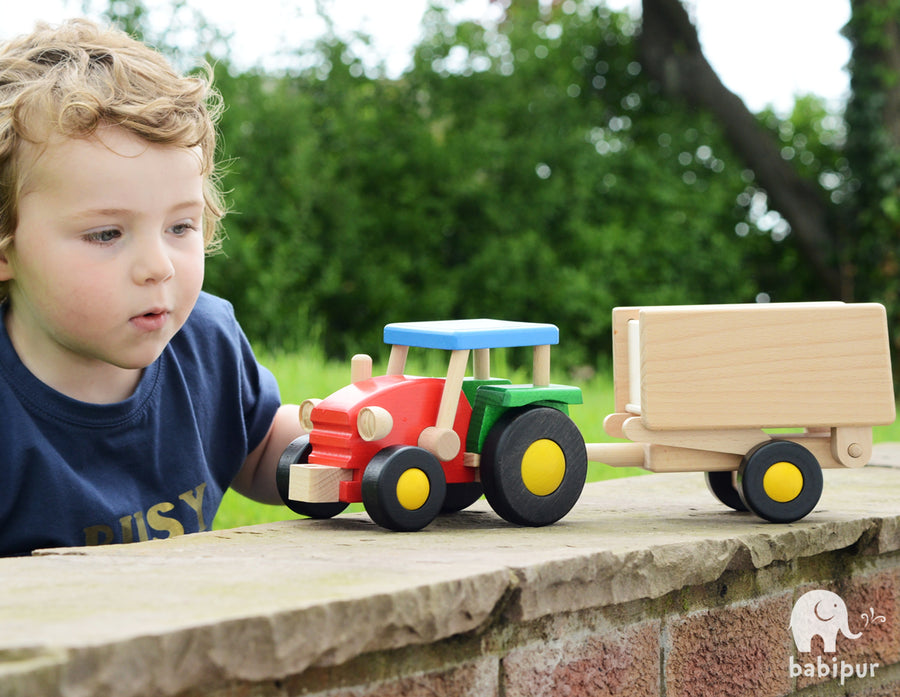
(182, 229)
(103, 236)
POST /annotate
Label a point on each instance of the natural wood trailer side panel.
(621, 379)
(759, 366)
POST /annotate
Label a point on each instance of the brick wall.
(730, 638)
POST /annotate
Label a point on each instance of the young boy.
(129, 399)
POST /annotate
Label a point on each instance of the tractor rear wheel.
(461, 495)
(533, 465)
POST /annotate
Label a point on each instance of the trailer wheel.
(296, 453)
(721, 485)
(533, 466)
(461, 495)
(403, 488)
(780, 481)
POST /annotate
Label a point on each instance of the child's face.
(107, 259)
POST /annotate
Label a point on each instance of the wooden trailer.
(758, 396)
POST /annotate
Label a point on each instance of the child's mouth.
(150, 321)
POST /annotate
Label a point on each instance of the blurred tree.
(522, 171)
(845, 212)
(671, 52)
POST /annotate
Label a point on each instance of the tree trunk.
(671, 54)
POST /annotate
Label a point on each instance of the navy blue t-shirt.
(152, 466)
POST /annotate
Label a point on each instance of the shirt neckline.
(40, 397)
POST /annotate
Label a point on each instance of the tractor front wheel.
(533, 465)
(403, 488)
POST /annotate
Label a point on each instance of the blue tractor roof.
(470, 334)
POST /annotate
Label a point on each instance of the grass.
(308, 374)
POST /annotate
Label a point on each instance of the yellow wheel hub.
(783, 482)
(413, 489)
(543, 467)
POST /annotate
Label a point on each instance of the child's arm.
(256, 479)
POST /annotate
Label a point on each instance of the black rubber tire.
(720, 485)
(753, 469)
(298, 452)
(379, 488)
(501, 465)
(461, 495)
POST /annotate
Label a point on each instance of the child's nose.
(152, 263)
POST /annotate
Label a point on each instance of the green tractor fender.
(493, 399)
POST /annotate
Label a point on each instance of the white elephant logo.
(821, 613)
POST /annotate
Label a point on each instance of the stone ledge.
(268, 601)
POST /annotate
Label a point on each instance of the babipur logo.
(824, 614)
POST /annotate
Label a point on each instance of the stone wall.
(649, 587)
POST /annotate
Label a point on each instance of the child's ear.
(6, 270)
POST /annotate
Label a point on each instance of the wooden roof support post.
(542, 365)
(482, 364)
(397, 362)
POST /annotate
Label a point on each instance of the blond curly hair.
(71, 79)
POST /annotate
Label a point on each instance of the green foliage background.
(531, 172)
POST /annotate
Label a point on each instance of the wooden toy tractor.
(412, 447)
